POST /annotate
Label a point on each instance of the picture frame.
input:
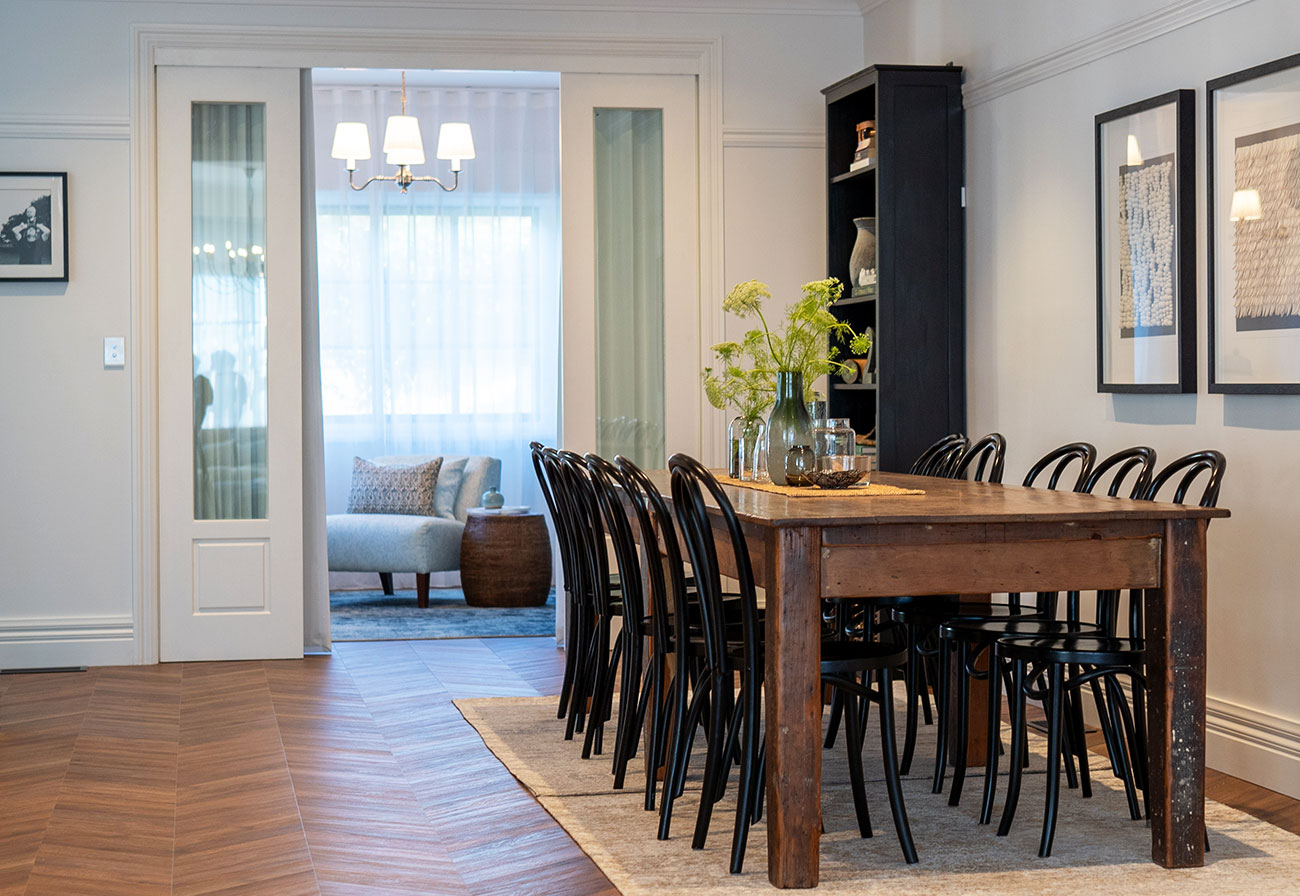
(1253, 229)
(1146, 246)
(34, 226)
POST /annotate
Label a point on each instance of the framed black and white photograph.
(33, 226)
(1146, 246)
(1253, 167)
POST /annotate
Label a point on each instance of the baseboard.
(35, 642)
(1246, 743)
(1252, 745)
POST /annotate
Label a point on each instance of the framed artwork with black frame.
(1253, 200)
(1146, 246)
(33, 226)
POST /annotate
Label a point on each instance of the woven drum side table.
(505, 559)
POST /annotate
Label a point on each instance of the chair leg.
(1121, 759)
(661, 697)
(994, 730)
(1056, 698)
(631, 709)
(715, 763)
(422, 590)
(963, 722)
(571, 652)
(853, 742)
(1015, 768)
(750, 774)
(685, 720)
(833, 724)
(892, 782)
(912, 677)
(941, 682)
(386, 582)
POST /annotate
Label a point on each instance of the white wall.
(68, 582)
(1036, 75)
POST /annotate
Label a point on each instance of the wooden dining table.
(972, 538)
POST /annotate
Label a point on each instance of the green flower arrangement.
(808, 345)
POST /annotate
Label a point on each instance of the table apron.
(1077, 558)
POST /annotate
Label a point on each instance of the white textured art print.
(1146, 249)
(1266, 250)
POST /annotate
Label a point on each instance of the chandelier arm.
(368, 182)
(446, 189)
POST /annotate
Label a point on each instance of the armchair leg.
(422, 590)
(386, 580)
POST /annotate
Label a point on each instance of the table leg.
(793, 706)
(1175, 630)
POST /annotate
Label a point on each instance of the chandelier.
(403, 147)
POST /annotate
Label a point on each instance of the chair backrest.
(537, 450)
(941, 458)
(1186, 470)
(985, 458)
(666, 575)
(1058, 460)
(1138, 462)
(1181, 474)
(608, 485)
(691, 482)
(577, 493)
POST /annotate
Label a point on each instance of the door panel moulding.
(370, 48)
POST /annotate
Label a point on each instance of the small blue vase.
(493, 499)
(789, 432)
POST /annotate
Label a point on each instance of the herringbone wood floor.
(350, 774)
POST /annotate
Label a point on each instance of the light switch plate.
(114, 351)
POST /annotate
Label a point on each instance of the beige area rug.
(1098, 848)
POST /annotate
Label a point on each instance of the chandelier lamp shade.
(403, 147)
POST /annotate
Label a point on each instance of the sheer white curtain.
(439, 312)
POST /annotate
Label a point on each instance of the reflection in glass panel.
(229, 310)
(630, 285)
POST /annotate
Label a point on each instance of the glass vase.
(789, 432)
(746, 441)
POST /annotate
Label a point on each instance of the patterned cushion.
(393, 488)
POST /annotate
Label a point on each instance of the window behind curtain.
(440, 311)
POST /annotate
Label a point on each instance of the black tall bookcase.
(912, 184)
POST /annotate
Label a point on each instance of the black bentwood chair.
(921, 618)
(740, 653)
(1125, 473)
(1103, 656)
(970, 633)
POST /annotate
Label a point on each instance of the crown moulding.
(695, 7)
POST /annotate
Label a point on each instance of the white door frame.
(372, 48)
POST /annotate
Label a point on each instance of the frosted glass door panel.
(629, 157)
(229, 310)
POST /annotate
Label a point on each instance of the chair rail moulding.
(63, 127)
(1090, 49)
(298, 48)
(772, 138)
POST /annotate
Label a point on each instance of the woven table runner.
(872, 490)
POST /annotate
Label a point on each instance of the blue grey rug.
(375, 616)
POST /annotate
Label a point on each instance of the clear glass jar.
(746, 449)
(833, 442)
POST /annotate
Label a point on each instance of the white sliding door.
(631, 345)
(230, 365)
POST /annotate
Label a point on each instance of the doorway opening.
(439, 317)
